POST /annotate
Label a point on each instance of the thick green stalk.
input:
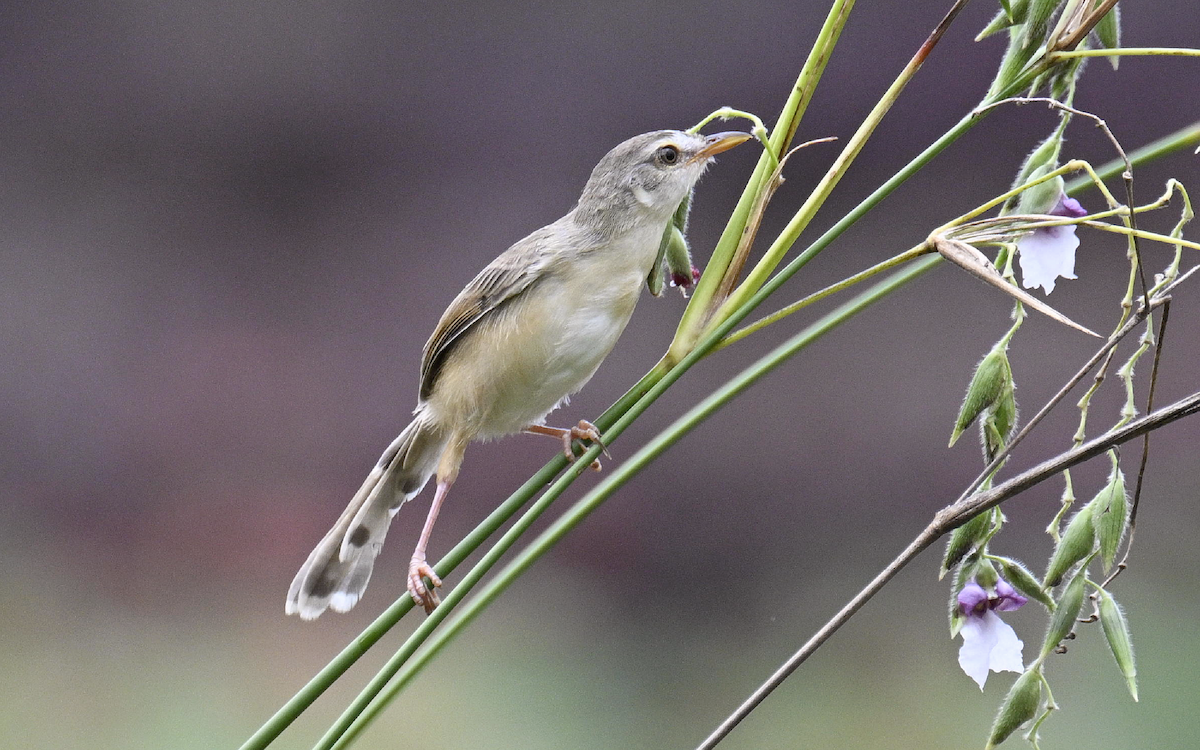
(359, 646)
(320, 682)
(774, 255)
(781, 137)
(578, 512)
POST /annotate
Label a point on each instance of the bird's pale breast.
(513, 368)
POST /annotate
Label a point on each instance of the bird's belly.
(533, 354)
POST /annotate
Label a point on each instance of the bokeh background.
(228, 229)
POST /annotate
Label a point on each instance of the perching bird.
(525, 334)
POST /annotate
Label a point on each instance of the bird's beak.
(718, 142)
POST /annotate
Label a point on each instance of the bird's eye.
(667, 155)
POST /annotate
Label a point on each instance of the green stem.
(774, 255)
(698, 309)
(359, 646)
(578, 512)
(1128, 51)
(832, 289)
(320, 682)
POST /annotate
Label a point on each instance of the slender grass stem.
(700, 307)
(1128, 52)
(800, 220)
(578, 512)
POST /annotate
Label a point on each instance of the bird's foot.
(424, 596)
(585, 430)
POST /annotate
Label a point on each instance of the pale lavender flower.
(989, 644)
(1049, 252)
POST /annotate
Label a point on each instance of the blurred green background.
(228, 229)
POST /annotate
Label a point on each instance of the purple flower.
(1049, 252)
(989, 644)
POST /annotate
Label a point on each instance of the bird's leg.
(585, 430)
(418, 569)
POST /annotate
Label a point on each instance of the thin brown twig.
(947, 519)
(1137, 490)
(1105, 350)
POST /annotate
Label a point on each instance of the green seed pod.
(1024, 581)
(655, 282)
(1076, 543)
(966, 538)
(679, 258)
(1065, 613)
(1108, 31)
(1116, 632)
(1019, 706)
(1041, 160)
(998, 427)
(1015, 58)
(992, 376)
(673, 257)
(1110, 514)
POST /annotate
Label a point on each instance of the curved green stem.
(698, 310)
(1128, 52)
(578, 512)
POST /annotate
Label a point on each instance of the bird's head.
(653, 172)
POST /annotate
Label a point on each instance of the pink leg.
(418, 568)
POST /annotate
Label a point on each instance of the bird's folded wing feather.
(514, 271)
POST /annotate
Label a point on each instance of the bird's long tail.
(336, 573)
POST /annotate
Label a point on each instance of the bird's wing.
(514, 271)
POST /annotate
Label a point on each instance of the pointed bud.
(1008, 15)
(1015, 59)
(999, 425)
(964, 539)
(1024, 581)
(992, 376)
(1019, 706)
(656, 280)
(1116, 632)
(1076, 543)
(1041, 160)
(1063, 621)
(1110, 514)
(668, 256)
(1108, 31)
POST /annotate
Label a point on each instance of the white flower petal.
(1047, 254)
(989, 643)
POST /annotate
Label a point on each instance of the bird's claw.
(585, 430)
(424, 596)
